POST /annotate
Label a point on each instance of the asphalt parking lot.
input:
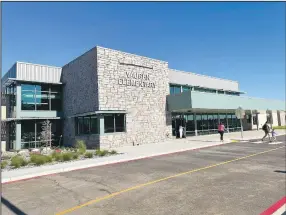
(236, 178)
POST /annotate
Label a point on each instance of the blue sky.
(238, 41)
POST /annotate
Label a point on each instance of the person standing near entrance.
(221, 129)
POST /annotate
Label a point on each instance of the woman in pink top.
(221, 129)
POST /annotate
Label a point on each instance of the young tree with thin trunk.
(46, 134)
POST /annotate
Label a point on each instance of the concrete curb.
(124, 160)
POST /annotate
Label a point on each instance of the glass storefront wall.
(31, 131)
(185, 120)
(207, 123)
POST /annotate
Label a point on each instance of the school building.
(110, 98)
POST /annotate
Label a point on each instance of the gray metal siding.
(39, 73)
(192, 79)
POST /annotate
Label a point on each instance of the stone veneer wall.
(282, 118)
(146, 120)
(80, 94)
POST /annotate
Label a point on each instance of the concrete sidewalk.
(128, 153)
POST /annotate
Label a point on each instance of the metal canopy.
(99, 112)
(31, 118)
(9, 81)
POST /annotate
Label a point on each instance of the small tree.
(46, 134)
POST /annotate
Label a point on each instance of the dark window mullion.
(35, 104)
(114, 125)
(89, 125)
(50, 103)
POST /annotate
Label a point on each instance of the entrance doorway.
(185, 120)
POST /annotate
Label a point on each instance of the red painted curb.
(118, 162)
(273, 208)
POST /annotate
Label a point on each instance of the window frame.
(35, 90)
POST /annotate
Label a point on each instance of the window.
(28, 97)
(93, 125)
(119, 123)
(175, 89)
(254, 118)
(232, 93)
(269, 118)
(222, 118)
(86, 125)
(41, 97)
(114, 123)
(186, 88)
(90, 124)
(109, 123)
(205, 90)
(248, 118)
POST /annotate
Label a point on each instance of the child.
(274, 134)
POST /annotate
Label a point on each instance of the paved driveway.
(236, 178)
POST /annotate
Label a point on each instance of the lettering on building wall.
(137, 80)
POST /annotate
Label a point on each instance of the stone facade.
(80, 93)
(139, 86)
(108, 80)
(281, 118)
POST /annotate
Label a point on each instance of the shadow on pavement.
(279, 171)
(12, 207)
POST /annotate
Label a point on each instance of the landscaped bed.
(279, 127)
(48, 156)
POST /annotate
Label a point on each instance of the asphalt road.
(236, 178)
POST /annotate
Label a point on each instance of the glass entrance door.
(190, 125)
(177, 121)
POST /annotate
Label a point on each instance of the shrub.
(18, 161)
(88, 155)
(279, 127)
(113, 152)
(49, 159)
(81, 147)
(57, 156)
(67, 156)
(75, 155)
(101, 153)
(3, 164)
(40, 159)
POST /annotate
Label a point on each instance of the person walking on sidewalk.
(221, 129)
(266, 130)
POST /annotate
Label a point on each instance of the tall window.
(268, 117)
(41, 97)
(254, 118)
(248, 118)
